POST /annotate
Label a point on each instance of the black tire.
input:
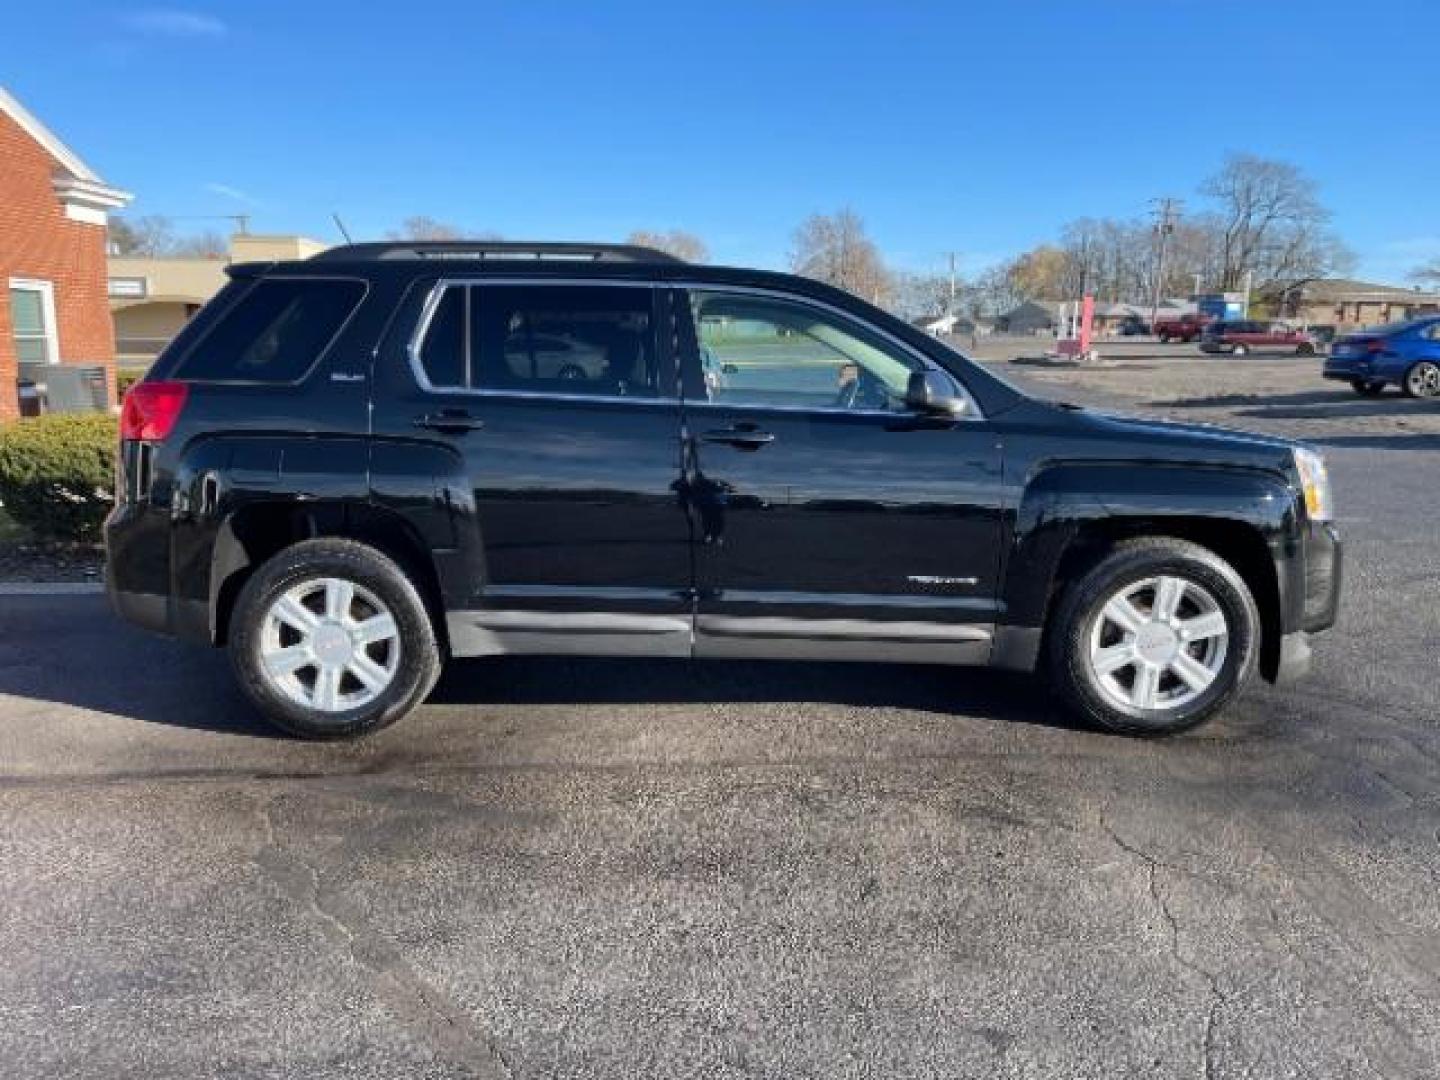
(1127, 564)
(1422, 380)
(1239, 350)
(571, 371)
(1164, 339)
(1367, 387)
(1305, 349)
(419, 662)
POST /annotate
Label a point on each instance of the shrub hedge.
(57, 474)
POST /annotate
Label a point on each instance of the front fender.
(1068, 504)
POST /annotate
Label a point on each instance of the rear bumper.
(1348, 369)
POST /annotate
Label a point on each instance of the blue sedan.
(1405, 353)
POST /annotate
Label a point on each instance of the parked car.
(1133, 326)
(1241, 336)
(338, 472)
(1187, 327)
(1405, 354)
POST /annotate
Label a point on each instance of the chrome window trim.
(972, 414)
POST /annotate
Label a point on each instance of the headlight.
(1315, 482)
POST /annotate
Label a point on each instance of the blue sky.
(980, 127)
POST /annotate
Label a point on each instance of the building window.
(129, 288)
(32, 321)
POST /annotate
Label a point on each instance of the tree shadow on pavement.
(129, 673)
(70, 650)
(536, 680)
(1412, 441)
(1307, 405)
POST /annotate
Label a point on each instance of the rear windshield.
(274, 333)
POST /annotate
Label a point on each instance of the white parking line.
(51, 588)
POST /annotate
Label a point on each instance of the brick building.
(53, 214)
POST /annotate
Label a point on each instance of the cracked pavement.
(644, 869)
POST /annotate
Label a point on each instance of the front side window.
(32, 321)
(274, 333)
(760, 350)
(596, 340)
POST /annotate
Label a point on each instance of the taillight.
(1374, 346)
(151, 410)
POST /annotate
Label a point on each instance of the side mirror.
(932, 393)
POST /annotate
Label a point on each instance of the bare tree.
(834, 248)
(150, 236)
(1272, 223)
(677, 242)
(423, 227)
(918, 295)
(995, 291)
(205, 245)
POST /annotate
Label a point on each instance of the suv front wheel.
(330, 639)
(1157, 637)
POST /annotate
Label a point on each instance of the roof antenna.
(341, 226)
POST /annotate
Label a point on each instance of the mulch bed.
(51, 562)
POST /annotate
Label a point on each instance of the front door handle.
(450, 421)
(741, 438)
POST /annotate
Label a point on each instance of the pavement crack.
(1211, 980)
(416, 1003)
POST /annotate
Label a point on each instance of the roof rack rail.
(544, 251)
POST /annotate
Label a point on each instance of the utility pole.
(954, 280)
(1167, 213)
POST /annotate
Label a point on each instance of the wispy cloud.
(232, 193)
(176, 22)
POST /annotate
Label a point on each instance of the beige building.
(1346, 304)
(152, 298)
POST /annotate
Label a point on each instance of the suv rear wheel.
(330, 639)
(1157, 637)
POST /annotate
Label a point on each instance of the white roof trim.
(85, 196)
(47, 138)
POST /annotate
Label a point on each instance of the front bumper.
(1316, 581)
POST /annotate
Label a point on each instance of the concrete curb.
(51, 588)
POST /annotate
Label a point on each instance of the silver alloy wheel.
(1424, 380)
(1158, 644)
(329, 645)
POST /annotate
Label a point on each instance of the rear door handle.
(741, 438)
(450, 422)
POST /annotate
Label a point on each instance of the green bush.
(57, 474)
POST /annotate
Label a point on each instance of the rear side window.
(274, 333)
(556, 339)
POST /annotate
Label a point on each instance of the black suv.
(349, 468)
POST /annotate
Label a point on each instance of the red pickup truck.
(1187, 327)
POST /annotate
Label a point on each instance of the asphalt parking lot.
(644, 869)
